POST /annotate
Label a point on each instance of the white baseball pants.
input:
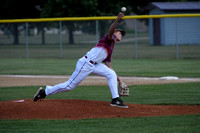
(83, 69)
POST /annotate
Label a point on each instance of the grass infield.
(161, 94)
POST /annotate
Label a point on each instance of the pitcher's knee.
(112, 75)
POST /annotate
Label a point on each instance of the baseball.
(123, 9)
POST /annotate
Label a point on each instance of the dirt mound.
(85, 109)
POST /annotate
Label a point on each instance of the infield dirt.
(85, 109)
(43, 80)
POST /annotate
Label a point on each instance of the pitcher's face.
(118, 35)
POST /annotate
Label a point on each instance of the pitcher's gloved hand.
(123, 89)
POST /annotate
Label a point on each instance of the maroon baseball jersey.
(108, 45)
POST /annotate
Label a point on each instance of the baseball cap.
(122, 32)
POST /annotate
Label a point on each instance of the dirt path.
(85, 109)
(42, 80)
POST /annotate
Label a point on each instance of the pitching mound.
(85, 109)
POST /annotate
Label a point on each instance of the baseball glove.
(123, 89)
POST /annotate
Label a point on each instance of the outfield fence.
(72, 37)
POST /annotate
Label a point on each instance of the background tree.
(18, 9)
(69, 8)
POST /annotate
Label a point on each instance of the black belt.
(91, 61)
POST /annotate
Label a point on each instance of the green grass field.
(123, 67)
(168, 94)
(164, 124)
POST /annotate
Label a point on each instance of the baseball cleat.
(116, 102)
(39, 95)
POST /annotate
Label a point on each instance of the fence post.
(27, 43)
(177, 39)
(136, 43)
(97, 30)
(61, 45)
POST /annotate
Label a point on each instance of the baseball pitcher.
(96, 61)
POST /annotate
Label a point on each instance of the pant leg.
(83, 69)
(102, 70)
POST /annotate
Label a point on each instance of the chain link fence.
(72, 39)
